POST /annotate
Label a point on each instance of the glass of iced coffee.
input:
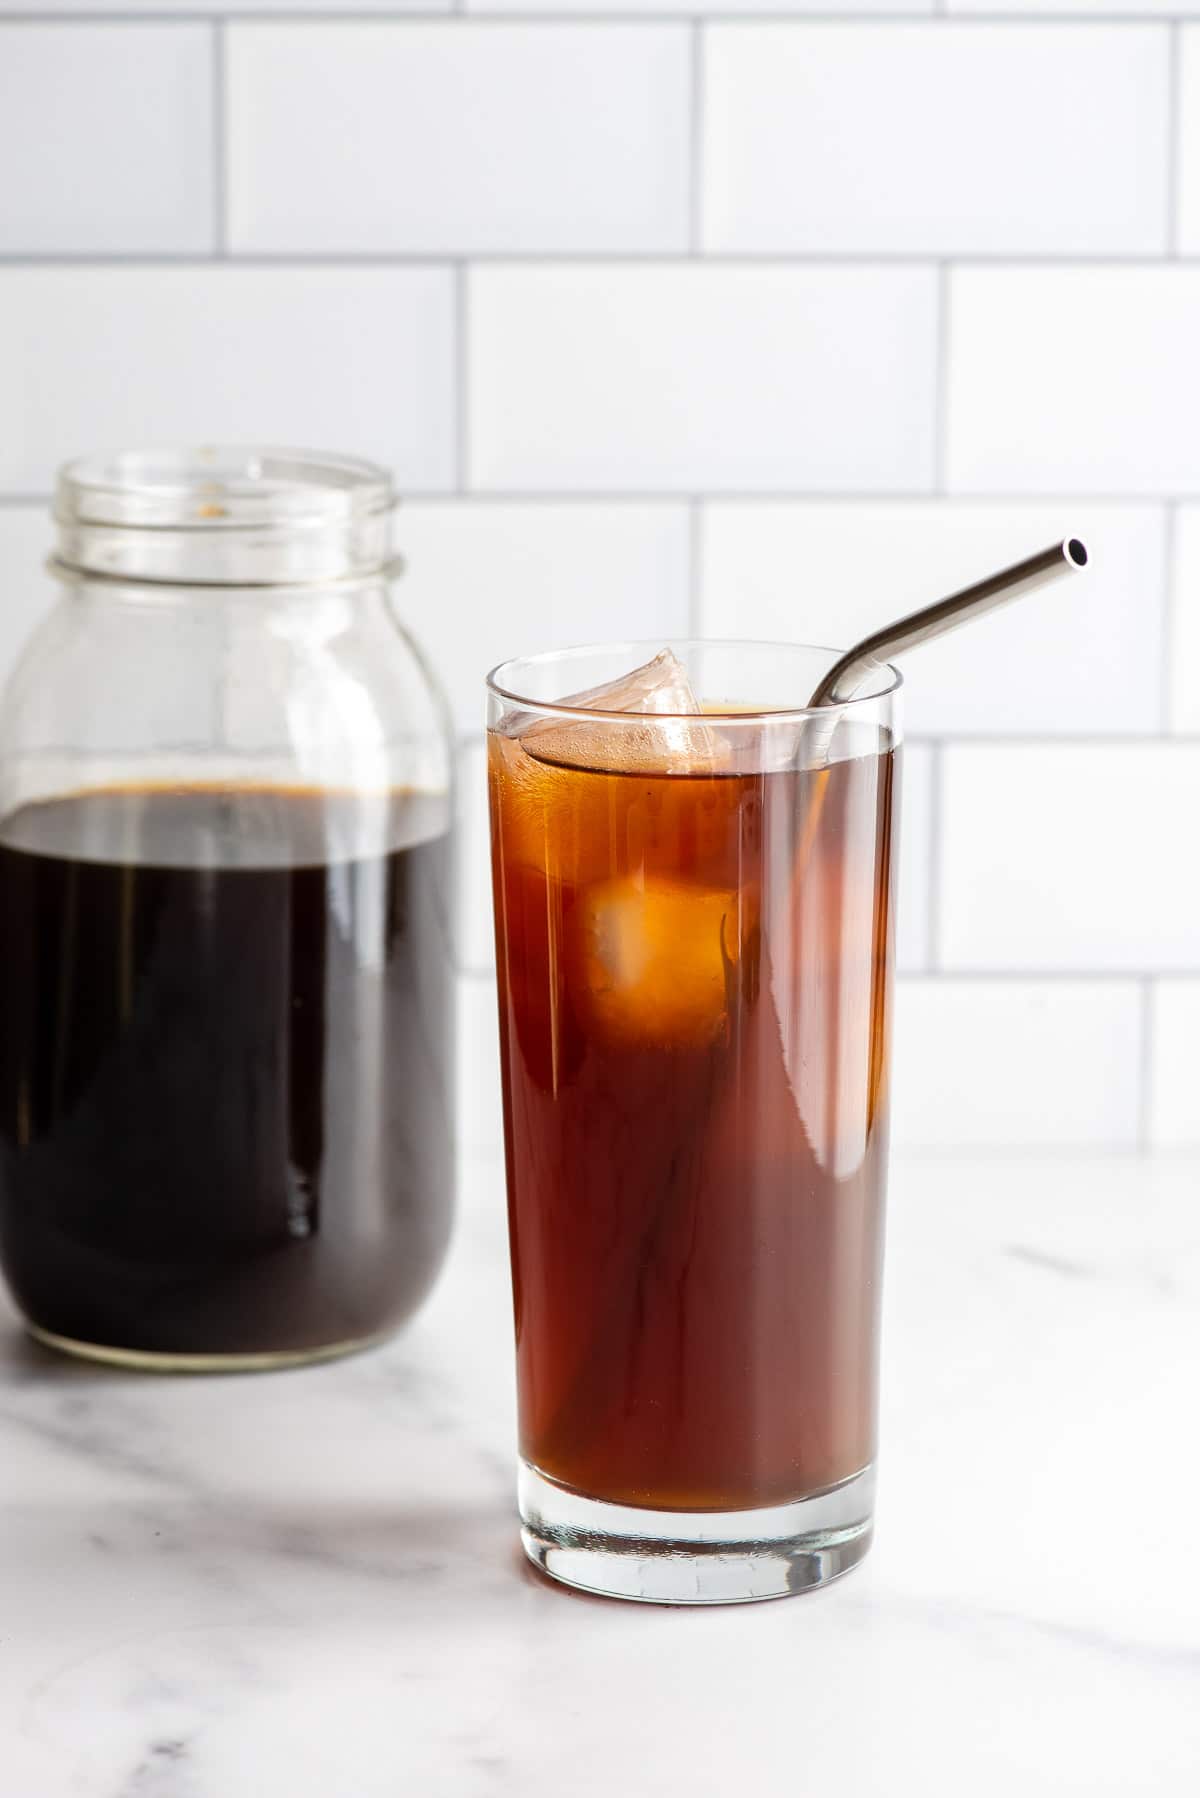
(693, 880)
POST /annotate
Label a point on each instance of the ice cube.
(658, 686)
(660, 691)
(657, 958)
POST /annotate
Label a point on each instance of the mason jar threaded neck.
(224, 515)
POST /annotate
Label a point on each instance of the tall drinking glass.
(694, 926)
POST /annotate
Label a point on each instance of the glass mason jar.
(226, 1037)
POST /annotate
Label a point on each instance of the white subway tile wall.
(25, 542)
(480, 1120)
(484, 582)
(1099, 9)
(914, 908)
(351, 137)
(1085, 656)
(726, 318)
(1079, 379)
(1184, 624)
(220, 9)
(1189, 141)
(685, 376)
(718, 8)
(1017, 1063)
(102, 356)
(1069, 857)
(106, 138)
(1175, 1068)
(812, 140)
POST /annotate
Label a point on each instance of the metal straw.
(839, 685)
(850, 670)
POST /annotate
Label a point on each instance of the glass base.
(695, 1557)
(166, 1361)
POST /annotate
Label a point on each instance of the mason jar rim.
(224, 514)
(218, 486)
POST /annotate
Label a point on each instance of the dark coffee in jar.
(224, 1067)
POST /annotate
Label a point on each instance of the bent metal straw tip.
(1066, 556)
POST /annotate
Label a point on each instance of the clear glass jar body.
(226, 1048)
(695, 921)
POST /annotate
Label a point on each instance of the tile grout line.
(678, 499)
(1166, 650)
(695, 225)
(1174, 139)
(1026, 976)
(1001, 977)
(695, 555)
(765, 499)
(1052, 741)
(941, 379)
(933, 924)
(1021, 20)
(220, 150)
(1145, 1062)
(551, 257)
(461, 374)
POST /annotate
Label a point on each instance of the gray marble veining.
(307, 1585)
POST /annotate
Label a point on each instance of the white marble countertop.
(308, 1585)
